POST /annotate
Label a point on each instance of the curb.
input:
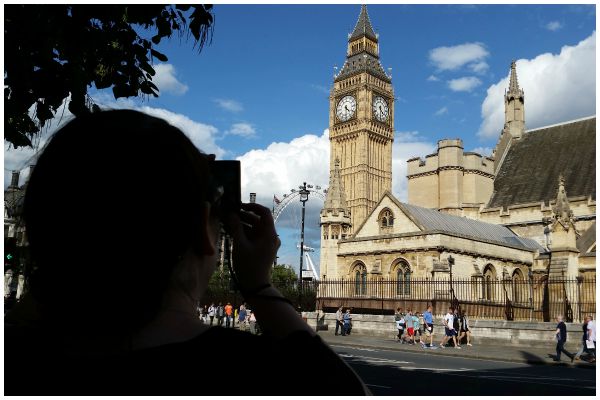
(451, 353)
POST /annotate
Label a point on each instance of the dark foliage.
(52, 52)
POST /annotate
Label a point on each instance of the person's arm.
(255, 245)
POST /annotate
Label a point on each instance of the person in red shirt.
(228, 316)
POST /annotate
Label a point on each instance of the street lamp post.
(530, 275)
(303, 198)
(450, 264)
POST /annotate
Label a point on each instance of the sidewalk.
(528, 355)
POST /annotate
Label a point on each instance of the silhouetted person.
(123, 220)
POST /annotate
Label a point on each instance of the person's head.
(429, 308)
(398, 309)
(120, 215)
(220, 304)
(559, 317)
(591, 317)
(450, 310)
(341, 308)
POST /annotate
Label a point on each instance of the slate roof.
(362, 62)
(531, 168)
(363, 26)
(433, 220)
(586, 240)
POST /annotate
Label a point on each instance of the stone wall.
(537, 334)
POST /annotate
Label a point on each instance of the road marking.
(499, 378)
(373, 359)
(356, 348)
(380, 386)
(436, 369)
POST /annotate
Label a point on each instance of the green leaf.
(160, 56)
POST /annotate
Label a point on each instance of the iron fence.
(504, 299)
(535, 300)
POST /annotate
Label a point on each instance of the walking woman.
(465, 330)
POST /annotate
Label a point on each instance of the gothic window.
(386, 218)
(489, 275)
(403, 275)
(518, 286)
(360, 279)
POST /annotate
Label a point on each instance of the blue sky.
(260, 91)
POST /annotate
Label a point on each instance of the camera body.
(227, 180)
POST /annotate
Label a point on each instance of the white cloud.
(229, 105)
(242, 129)
(441, 111)
(167, 81)
(433, 78)
(484, 151)
(202, 135)
(454, 57)
(558, 87)
(464, 84)
(283, 166)
(554, 26)
(479, 67)
(401, 152)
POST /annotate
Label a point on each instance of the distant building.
(526, 212)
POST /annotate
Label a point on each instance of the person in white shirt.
(591, 327)
(211, 313)
(449, 328)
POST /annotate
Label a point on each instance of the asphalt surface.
(393, 373)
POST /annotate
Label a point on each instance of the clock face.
(346, 108)
(380, 109)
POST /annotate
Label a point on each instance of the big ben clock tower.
(361, 123)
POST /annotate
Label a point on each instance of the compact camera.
(226, 180)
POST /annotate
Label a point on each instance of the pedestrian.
(200, 311)
(242, 317)
(220, 314)
(465, 329)
(228, 315)
(399, 321)
(584, 339)
(145, 338)
(211, 313)
(417, 328)
(591, 337)
(428, 318)
(410, 330)
(450, 333)
(252, 323)
(205, 314)
(339, 320)
(561, 337)
(347, 319)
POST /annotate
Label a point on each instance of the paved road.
(388, 372)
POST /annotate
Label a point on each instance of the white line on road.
(374, 359)
(526, 380)
(379, 386)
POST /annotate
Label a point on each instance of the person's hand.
(255, 245)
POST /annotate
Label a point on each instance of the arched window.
(489, 275)
(360, 279)
(402, 274)
(386, 218)
(518, 286)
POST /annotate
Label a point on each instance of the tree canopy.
(57, 52)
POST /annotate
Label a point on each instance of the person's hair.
(112, 205)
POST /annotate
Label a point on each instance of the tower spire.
(562, 210)
(363, 26)
(513, 86)
(336, 198)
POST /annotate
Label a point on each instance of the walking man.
(428, 318)
(410, 326)
(561, 338)
(228, 315)
(220, 314)
(211, 313)
(339, 321)
(449, 329)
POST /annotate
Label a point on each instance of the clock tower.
(361, 123)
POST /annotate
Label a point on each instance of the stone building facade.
(527, 211)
